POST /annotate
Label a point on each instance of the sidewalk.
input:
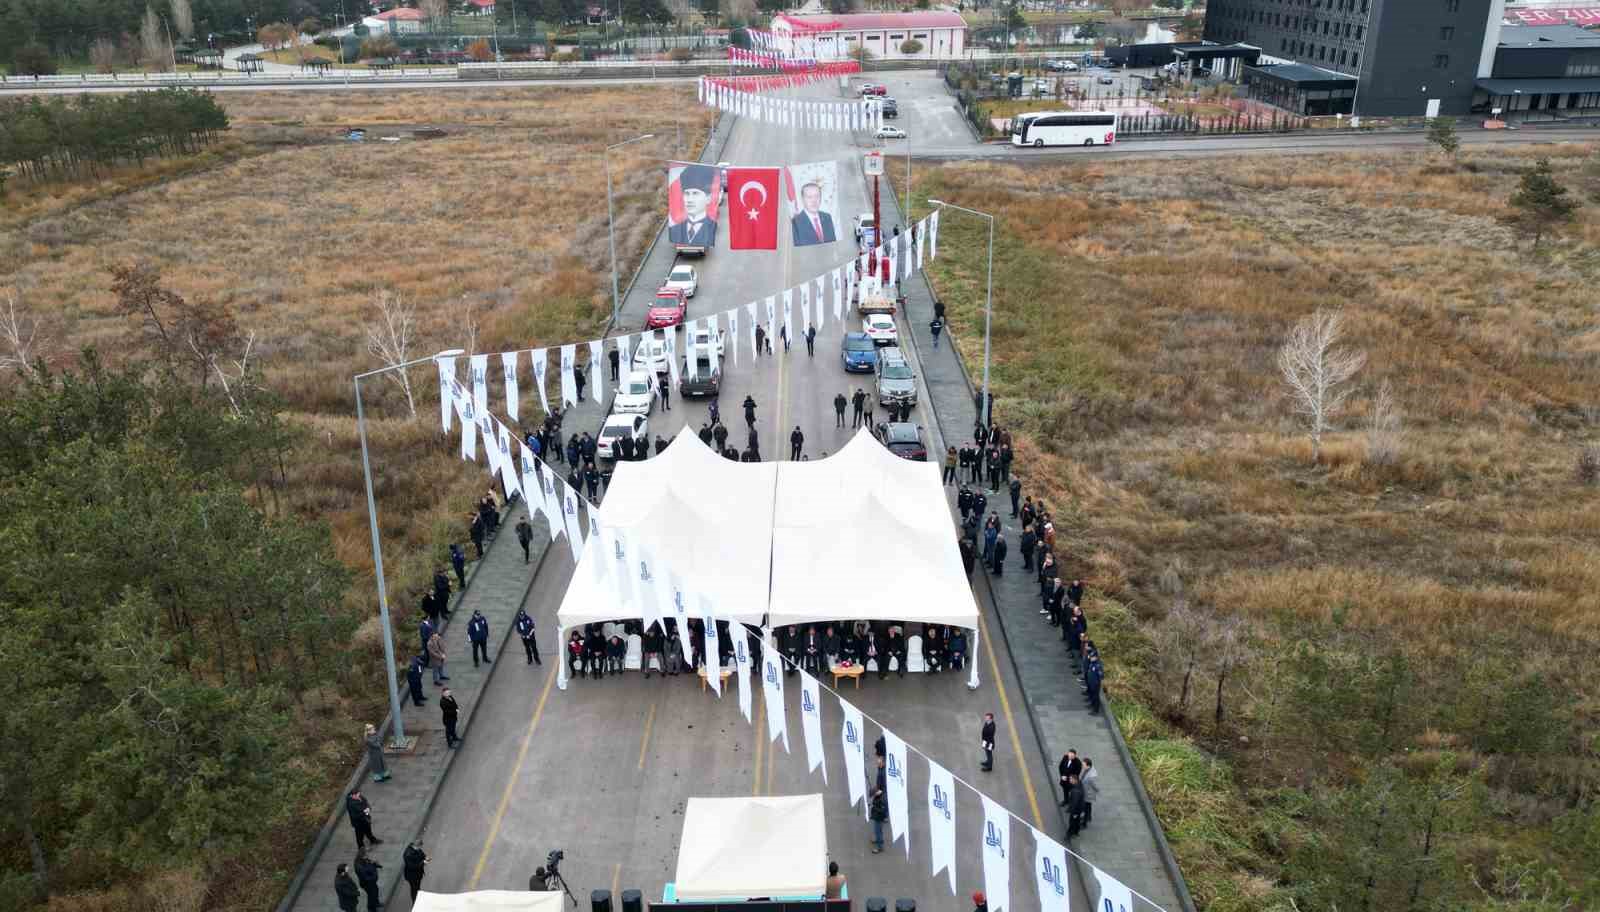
(496, 585)
(1123, 840)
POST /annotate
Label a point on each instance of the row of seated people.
(881, 646)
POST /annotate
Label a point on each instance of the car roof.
(620, 421)
(879, 318)
(894, 355)
(902, 432)
(682, 266)
(857, 337)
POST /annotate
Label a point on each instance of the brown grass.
(298, 230)
(1138, 308)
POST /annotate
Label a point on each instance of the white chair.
(635, 659)
(914, 662)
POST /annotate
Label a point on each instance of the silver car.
(897, 382)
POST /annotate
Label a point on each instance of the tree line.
(68, 28)
(58, 138)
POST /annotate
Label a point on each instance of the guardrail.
(228, 77)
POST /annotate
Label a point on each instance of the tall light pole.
(611, 219)
(988, 307)
(377, 550)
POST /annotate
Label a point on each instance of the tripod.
(556, 878)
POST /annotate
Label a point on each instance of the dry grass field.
(1406, 648)
(501, 224)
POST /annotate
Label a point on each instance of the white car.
(890, 132)
(684, 279)
(880, 329)
(636, 394)
(865, 226)
(701, 340)
(635, 426)
(651, 355)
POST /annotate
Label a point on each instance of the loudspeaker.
(600, 901)
(877, 904)
(905, 904)
(632, 901)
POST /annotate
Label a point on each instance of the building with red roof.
(943, 35)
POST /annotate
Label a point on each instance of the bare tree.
(183, 18)
(1229, 649)
(153, 46)
(390, 338)
(1384, 428)
(1315, 368)
(103, 55)
(435, 11)
(1185, 633)
(236, 379)
(20, 335)
(470, 324)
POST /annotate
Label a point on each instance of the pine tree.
(1540, 204)
(1442, 133)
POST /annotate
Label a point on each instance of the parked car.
(636, 393)
(1063, 66)
(669, 308)
(701, 340)
(903, 439)
(616, 426)
(1107, 80)
(890, 132)
(868, 88)
(897, 383)
(651, 356)
(880, 328)
(866, 229)
(890, 108)
(707, 379)
(684, 278)
(859, 353)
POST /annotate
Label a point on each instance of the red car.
(870, 89)
(668, 309)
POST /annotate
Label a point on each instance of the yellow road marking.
(616, 881)
(761, 741)
(645, 741)
(511, 783)
(1011, 724)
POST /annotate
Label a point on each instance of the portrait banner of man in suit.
(813, 191)
(693, 194)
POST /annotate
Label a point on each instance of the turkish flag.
(752, 208)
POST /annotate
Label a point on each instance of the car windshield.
(682, 274)
(666, 300)
(896, 372)
(902, 434)
(638, 386)
(856, 345)
(880, 323)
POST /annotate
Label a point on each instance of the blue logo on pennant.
(620, 555)
(850, 734)
(677, 601)
(738, 651)
(991, 837)
(1052, 876)
(805, 703)
(644, 571)
(711, 630)
(772, 675)
(941, 800)
(894, 768)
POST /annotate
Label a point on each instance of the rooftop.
(403, 12)
(847, 22)
(1302, 72)
(1549, 36)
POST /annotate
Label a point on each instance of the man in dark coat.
(705, 433)
(458, 560)
(591, 480)
(968, 556)
(664, 390)
(344, 887)
(719, 435)
(525, 537)
(615, 358)
(661, 444)
(1016, 494)
(796, 441)
(999, 554)
(525, 631)
(360, 814)
(478, 635)
(415, 861)
(839, 403)
(859, 403)
(988, 743)
(897, 651)
(1074, 808)
(1069, 767)
(448, 713)
(367, 875)
(414, 681)
(441, 591)
(964, 502)
(1092, 678)
(626, 445)
(1029, 540)
(425, 632)
(750, 410)
(1075, 592)
(811, 340)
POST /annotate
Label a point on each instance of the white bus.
(1064, 128)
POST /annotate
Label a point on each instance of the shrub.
(680, 55)
(1589, 464)
(480, 51)
(33, 60)
(910, 47)
(381, 46)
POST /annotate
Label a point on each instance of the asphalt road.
(603, 769)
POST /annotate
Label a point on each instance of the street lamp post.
(984, 407)
(611, 218)
(377, 550)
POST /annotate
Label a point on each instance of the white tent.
(739, 848)
(860, 535)
(488, 901)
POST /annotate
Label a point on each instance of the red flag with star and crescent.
(753, 208)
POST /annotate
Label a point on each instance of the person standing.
(705, 433)
(374, 742)
(964, 502)
(1091, 790)
(579, 378)
(344, 887)
(992, 457)
(1016, 494)
(859, 401)
(719, 435)
(991, 534)
(367, 875)
(1074, 807)
(988, 743)
(811, 338)
(449, 711)
(478, 532)
(424, 634)
(749, 410)
(664, 390)
(1029, 540)
(360, 814)
(1075, 592)
(615, 358)
(999, 554)
(1069, 767)
(441, 591)
(478, 636)
(525, 631)
(591, 480)
(415, 861)
(414, 681)
(436, 656)
(835, 881)
(761, 340)
(839, 402)
(783, 332)
(949, 476)
(525, 537)
(1092, 678)
(458, 560)
(879, 813)
(935, 326)
(796, 441)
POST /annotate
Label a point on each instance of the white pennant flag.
(623, 363)
(750, 308)
(594, 553)
(569, 518)
(811, 723)
(805, 307)
(853, 736)
(541, 361)
(922, 239)
(447, 376)
(692, 354)
(508, 463)
(552, 506)
(895, 769)
(480, 383)
(942, 822)
(741, 661)
(996, 855)
(933, 235)
(772, 687)
(491, 447)
(772, 320)
(1049, 866)
(838, 292)
(597, 373)
(469, 428)
(713, 650)
(788, 314)
(654, 597)
(672, 354)
(623, 571)
(508, 365)
(674, 595)
(733, 333)
(888, 253)
(1114, 895)
(569, 383)
(904, 240)
(821, 293)
(532, 486)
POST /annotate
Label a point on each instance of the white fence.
(228, 77)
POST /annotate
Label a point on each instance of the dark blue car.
(859, 353)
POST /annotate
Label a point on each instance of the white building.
(943, 35)
(400, 19)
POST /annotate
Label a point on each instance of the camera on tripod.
(553, 860)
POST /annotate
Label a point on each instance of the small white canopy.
(488, 901)
(737, 848)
